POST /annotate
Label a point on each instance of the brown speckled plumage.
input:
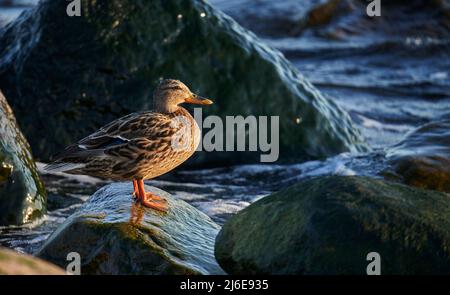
(139, 145)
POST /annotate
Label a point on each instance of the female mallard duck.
(141, 145)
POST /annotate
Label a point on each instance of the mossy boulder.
(422, 159)
(86, 71)
(22, 195)
(327, 226)
(13, 263)
(113, 235)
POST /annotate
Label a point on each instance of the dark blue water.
(391, 73)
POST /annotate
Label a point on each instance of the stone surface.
(328, 225)
(22, 195)
(113, 235)
(13, 263)
(422, 159)
(86, 71)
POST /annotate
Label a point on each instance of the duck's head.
(170, 93)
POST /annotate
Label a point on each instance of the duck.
(139, 146)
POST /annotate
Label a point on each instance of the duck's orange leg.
(150, 200)
(135, 190)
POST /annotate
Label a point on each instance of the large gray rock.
(115, 236)
(85, 71)
(329, 225)
(22, 194)
(13, 263)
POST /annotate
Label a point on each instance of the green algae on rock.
(86, 71)
(113, 235)
(13, 263)
(328, 226)
(22, 195)
(422, 159)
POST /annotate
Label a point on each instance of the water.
(390, 73)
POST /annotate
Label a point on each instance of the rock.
(13, 263)
(22, 194)
(422, 159)
(113, 235)
(328, 225)
(86, 71)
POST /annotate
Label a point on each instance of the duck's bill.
(196, 99)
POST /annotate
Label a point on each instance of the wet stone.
(114, 235)
(22, 194)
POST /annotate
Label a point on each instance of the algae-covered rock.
(113, 235)
(329, 225)
(13, 263)
(422, 159)
(85, 71)
(22, 195)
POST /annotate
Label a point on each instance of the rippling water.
(390, 73)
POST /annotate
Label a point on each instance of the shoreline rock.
(328, 225)
(22, 194)
(13, 263)
(113, 235)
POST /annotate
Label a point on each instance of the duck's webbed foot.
(148, 199)
(154, 197)
(155, 202)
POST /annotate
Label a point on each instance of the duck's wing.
(120, 138)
